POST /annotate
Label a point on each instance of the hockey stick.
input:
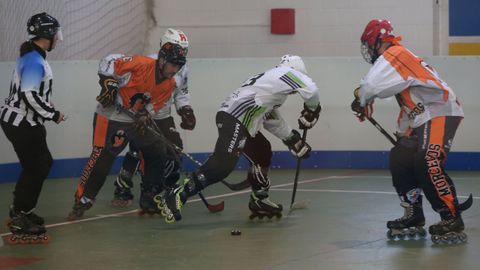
(382, 130)
(295, 182)
(212, 208)
(237, 186)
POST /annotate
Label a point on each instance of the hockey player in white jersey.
(430, 114)
(241, 116)
(181, 99)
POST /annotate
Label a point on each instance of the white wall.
(211, 80)
(232, 28)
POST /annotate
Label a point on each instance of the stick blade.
(298, 206)
(215, 208)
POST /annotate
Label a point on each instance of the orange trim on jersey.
(407, 99)
(409, 65)
(100, 133)
(435, 171)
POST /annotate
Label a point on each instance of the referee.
(27, 107)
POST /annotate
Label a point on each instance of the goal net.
(91, 28)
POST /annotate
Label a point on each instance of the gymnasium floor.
(342, 228)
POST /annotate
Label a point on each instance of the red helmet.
(376, 29)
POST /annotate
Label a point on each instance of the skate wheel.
(34, 239)
(462, 237)
(436, 239)
(454, 239)
(45, 239)
(445, 239)
(279, 215)
(164, 213)
(422, 233)
(390, 235)
(12, 240)
(411, 235)
(251, 217)
(157, 198)
(24, 240)
(169, 220)
(401, 236)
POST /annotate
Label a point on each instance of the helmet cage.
(173, 53)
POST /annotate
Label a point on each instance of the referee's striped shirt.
(30, 91)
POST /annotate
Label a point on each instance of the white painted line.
(353, 191)
(274, 187)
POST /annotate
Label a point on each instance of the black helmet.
(44, 26)
(173, 53)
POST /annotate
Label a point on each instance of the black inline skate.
(148, 204)
(171, 203)
(448, 231)
(36, 219)
(410, 225)
(25, 230)
(79, 208)
(122, 196)
(261, 206)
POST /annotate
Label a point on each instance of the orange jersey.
(419, 89)
(136, 75)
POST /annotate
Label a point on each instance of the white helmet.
(293, 61)
(175, 37)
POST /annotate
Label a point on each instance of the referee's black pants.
(31, 147)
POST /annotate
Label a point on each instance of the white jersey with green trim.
(256, 101)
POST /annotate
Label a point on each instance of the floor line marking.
(353, 191)
(230, 194)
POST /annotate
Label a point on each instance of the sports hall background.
(231, 40)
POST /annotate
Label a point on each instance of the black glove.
(109, 90)
(297, 146)
(188, 118)
(143, 120)
(361, 112)
(308, 118)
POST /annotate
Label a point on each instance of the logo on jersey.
(434, 157)
(118, 139)
(417, 110)
(139, 100)
(127, 58)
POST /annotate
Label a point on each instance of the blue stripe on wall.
(465, 161)
(464, 19)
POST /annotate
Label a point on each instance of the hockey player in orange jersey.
(429, 116)
(137, 86)
(123, 195)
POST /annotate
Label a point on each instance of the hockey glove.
(143, 120)
(188, 118)
(109, 90)
(362, 112)
(308, 118)
(297, 146)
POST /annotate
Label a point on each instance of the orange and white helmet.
(175, 37)
(293, 61)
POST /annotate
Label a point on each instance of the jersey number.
(252, 80)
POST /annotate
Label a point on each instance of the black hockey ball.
(235, 232)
